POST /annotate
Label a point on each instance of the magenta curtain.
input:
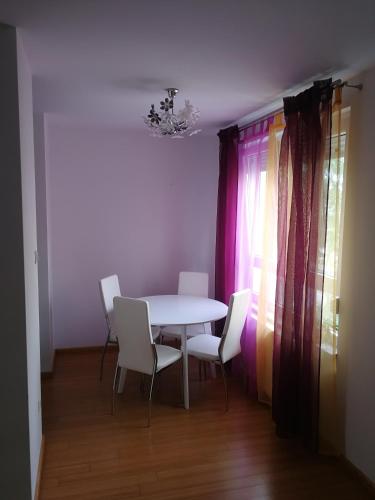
(302, 216)
(252, 162)
(226, 215)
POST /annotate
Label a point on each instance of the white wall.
(29, 249)
(356, 356)
(123, 202)
(20, 419)
(14, 420)
(46, 337)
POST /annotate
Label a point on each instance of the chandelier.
(166, 123)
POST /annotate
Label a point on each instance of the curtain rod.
(336, 84)
(339, 84)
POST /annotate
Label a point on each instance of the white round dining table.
(184, 310)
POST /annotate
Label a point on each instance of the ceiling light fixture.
(166, 123)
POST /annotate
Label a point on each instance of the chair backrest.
(230, 344)
(133, 331)
(191, 283)
(109, 289)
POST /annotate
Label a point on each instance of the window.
(333, 243)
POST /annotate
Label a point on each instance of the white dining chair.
(221, 350)
(109, 288)
(190, 283)
(137, 349)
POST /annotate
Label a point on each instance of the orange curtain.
(328, 413)
(266, 302)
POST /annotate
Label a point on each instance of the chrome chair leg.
(114, 389)
(182, 383)
(102, 360)
(150, 397)
(225, 384)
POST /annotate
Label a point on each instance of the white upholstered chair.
(109, 288)
(196, 284)
(137, 349)
(221, 350)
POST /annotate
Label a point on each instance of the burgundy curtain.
(226, 215)
(302, 214)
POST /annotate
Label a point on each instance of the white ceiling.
(108, 60)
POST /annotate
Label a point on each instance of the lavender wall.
(126, 203)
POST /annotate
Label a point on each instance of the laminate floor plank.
(203, 453)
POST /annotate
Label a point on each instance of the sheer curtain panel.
(301, 261)
(252, 164)
(266, 300)
(328, 411)
(226, 216)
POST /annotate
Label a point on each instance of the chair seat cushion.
(172, 331)
(204, 347)
(166, 356)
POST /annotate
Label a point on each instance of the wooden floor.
(202, 453)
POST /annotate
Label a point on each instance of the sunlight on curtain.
(267, 270)
(252, 155)
(328, 417)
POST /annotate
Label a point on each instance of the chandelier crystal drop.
(166, 123)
